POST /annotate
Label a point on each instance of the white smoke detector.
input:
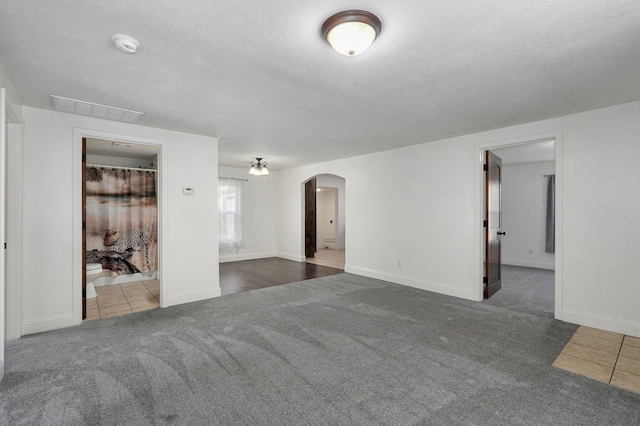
(125, 43)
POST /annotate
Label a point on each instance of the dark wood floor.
(260, 273)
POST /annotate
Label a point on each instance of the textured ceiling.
(257, 75)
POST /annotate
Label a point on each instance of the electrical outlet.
(399, 264)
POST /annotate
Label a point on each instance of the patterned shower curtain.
(122, 219)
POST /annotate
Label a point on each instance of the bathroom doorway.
(328, 221)
(120, 228)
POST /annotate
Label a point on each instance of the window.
(230, 206)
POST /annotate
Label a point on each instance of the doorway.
(324, 217)
(527, 267)
(120, 228)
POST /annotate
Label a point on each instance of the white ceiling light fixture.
(125, 43)
(351, 32)
(259, 168)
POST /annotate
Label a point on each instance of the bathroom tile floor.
(328, 257)
(602, 355)
(121, 299)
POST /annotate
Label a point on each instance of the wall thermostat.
(187, 190)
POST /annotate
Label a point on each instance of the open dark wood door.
(84, 228)
(310, 218)
(492, 223)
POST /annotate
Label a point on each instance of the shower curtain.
(122, 219)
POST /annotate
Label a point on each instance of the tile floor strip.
(609, 357)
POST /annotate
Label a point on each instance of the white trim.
(602, 322)
(250, 256)
(191, 296)
(3, 199)
(48, 323)
(14, 232)
(412, 282)
(78, 134)
(292, 256)
(479, 214)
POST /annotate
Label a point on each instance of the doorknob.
(502, 233)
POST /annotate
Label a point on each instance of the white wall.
(421, 214)
(52, 204)
(259, 215)
(524, 213)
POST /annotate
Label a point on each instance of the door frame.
(13, 313)
(479, 210)
(77, 255)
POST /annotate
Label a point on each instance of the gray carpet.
(338, 350)
(529, 289)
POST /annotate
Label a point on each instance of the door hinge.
(84, 158)
(485, 223)
(485, 280)
(5, 246)
(485, 167)
(84, 225)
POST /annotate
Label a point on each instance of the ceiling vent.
(76, 106)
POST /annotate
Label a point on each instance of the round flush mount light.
(351, 32)
(125, 43)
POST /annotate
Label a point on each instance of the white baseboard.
(47, 324)
(190, 296)
(290, 256)
(528, 263)
(412, 282)
(604, 323)
(250, 256)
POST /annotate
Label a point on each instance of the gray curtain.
(550, 246)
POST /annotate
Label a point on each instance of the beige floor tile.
(594, 355)
(630, 351)
(329, 258)
(583, 367)
(92, 314)
(596, 343)
(104, 301)
(108, 288)
(146, 297)
(115, 310)
(155, 293)
(92, 303)
(135, 290)
(601, 334)
(134, 284)
(627, 381)
(632, 341)
(152, 285)
(143, 306)
(629, 365)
